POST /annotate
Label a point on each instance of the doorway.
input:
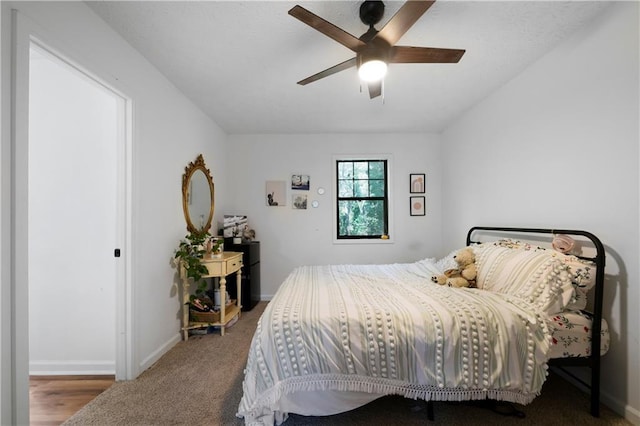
(76, 173)
(73, 139)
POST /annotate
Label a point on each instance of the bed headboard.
(600, 253)
(599, 259)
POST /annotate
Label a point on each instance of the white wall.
(168, 132)
(291, 238)
(557, 147)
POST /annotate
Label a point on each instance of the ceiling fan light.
(373, 70)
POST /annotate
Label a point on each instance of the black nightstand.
(250, 286)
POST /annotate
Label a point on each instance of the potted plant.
(189, 254)
(214, 247)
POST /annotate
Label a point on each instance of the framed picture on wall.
(417, 206)
(300, 182)
(417, 183)
(233, 225)
(299, 201)
(276, 192)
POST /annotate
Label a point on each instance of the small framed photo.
(300, 182)
(417, 183)
(276, 192)
(417, 206)
(233, 225)
(299, 201)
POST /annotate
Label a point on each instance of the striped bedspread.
(387, 329)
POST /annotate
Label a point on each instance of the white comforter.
(387, 329)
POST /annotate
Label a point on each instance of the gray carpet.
(199, 382)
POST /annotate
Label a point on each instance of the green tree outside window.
(362, 199)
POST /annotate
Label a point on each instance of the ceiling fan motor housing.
(371, 12)
(375, 49)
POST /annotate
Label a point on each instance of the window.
(362, 199)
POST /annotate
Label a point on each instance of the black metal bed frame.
(593, 360)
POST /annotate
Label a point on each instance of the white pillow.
(537, 277)
(447, 262)
(581, 272)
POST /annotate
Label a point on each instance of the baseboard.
(629, 413)
(632, 415)
(157, 354)
(98, 368)
(71, 368)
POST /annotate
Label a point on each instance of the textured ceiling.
(240, 61)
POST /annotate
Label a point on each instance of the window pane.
(376, 170)
(361, 170)
(361, 188)
(345, 188)
(376, 188)
(345, 170)
(361, 218)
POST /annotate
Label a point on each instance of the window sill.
(364, 241)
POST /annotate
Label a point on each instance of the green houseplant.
(190, 253)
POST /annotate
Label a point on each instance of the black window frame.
(384, 199)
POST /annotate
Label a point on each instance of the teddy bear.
(462, 276)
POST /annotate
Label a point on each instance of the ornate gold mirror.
(197, 196)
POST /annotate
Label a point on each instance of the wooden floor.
(53, 399)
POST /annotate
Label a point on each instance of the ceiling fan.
(376, 49)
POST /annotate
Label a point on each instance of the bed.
(336, 337)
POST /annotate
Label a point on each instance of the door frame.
(24, 33)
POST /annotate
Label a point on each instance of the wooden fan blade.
(424, 55)
(327, 28)
(329, 71)
(375, 89)
(400, 23)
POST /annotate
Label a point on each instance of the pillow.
(447, 262)
(583, 277)
(581, 272)
(535, 276)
